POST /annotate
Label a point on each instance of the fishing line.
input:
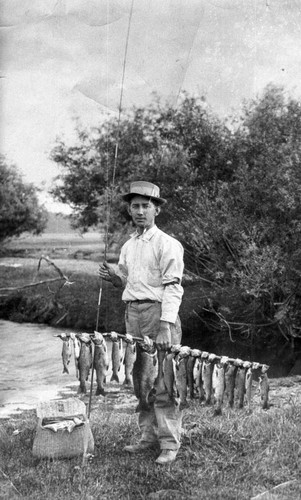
(109, 192)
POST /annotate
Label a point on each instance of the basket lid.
(61, 408)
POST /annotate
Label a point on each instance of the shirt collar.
(147, 235)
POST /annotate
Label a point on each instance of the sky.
(62, 62)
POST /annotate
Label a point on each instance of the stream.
(31, 367)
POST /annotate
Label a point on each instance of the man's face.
(143, 212)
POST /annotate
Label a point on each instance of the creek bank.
(73, 305)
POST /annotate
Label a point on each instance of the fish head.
(184, 351)
(84, 337)
(98, 338)
(114, 336)
(238, 362)
(247, 364)
(213, 357)
(195, 353)
(224, 360)
(264, 368)
(175, 348)
(204, 354)
(129, 338)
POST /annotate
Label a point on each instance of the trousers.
(163, 422)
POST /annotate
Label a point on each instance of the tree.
(181, 149)
(234, 195)
(19, 207)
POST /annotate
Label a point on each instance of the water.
(31, 367)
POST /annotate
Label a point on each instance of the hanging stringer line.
(110, 191)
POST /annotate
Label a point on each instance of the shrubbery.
(233, 189)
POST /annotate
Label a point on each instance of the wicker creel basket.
(62, 444)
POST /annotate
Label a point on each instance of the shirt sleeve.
(121, 270)
(172, 266)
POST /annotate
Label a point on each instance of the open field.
(58, 245)
(238, 455)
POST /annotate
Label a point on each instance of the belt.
(145, 301)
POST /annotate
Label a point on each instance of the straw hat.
(147, 189)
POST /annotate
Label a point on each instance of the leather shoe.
(136, 448)
(166, 456)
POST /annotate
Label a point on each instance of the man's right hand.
(106, 272)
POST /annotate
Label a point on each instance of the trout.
(76, 349)
(218, 384)
(129, 359)
(117, 355)
(190, 382)
(240, 383)
(248, 382)
(264, 390)
(230, 374)
(85, 361)
(145, 373)
(66, 353)
(180, 374)
(197, 379)
(207, 369)
(169, 376)
(101, 362)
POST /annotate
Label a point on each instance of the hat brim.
(129, 196)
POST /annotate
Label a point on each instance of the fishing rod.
(110, 195)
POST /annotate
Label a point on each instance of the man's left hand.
(163, 339)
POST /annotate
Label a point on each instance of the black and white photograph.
(150, 258)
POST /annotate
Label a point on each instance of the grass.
(233, 456)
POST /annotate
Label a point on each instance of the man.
(150, 269)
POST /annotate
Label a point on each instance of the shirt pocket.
(154, 277)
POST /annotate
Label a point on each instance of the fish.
(264, 390)
(240, 383)
(66, 353)
(197, 379)
(248, 382)
(117, 356)
(101, 362)
(180, 374)
(207, 369)
(184, 351)
(230, 374)
(85, 361)
(204, 354)
(218, 384)
(129, 359)
(159, 384)
(190, 382)
(175, 348)
(76, 349)
(169, 376)
(145, 373)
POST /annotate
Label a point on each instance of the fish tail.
(81, 390)
(142, 406)
(114, 377)
(127, 381)
(65, 370)
(183, 404)
(100, 391)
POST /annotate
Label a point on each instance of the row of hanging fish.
(185, 373)
(80, 344)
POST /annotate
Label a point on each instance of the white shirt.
(147, 263)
